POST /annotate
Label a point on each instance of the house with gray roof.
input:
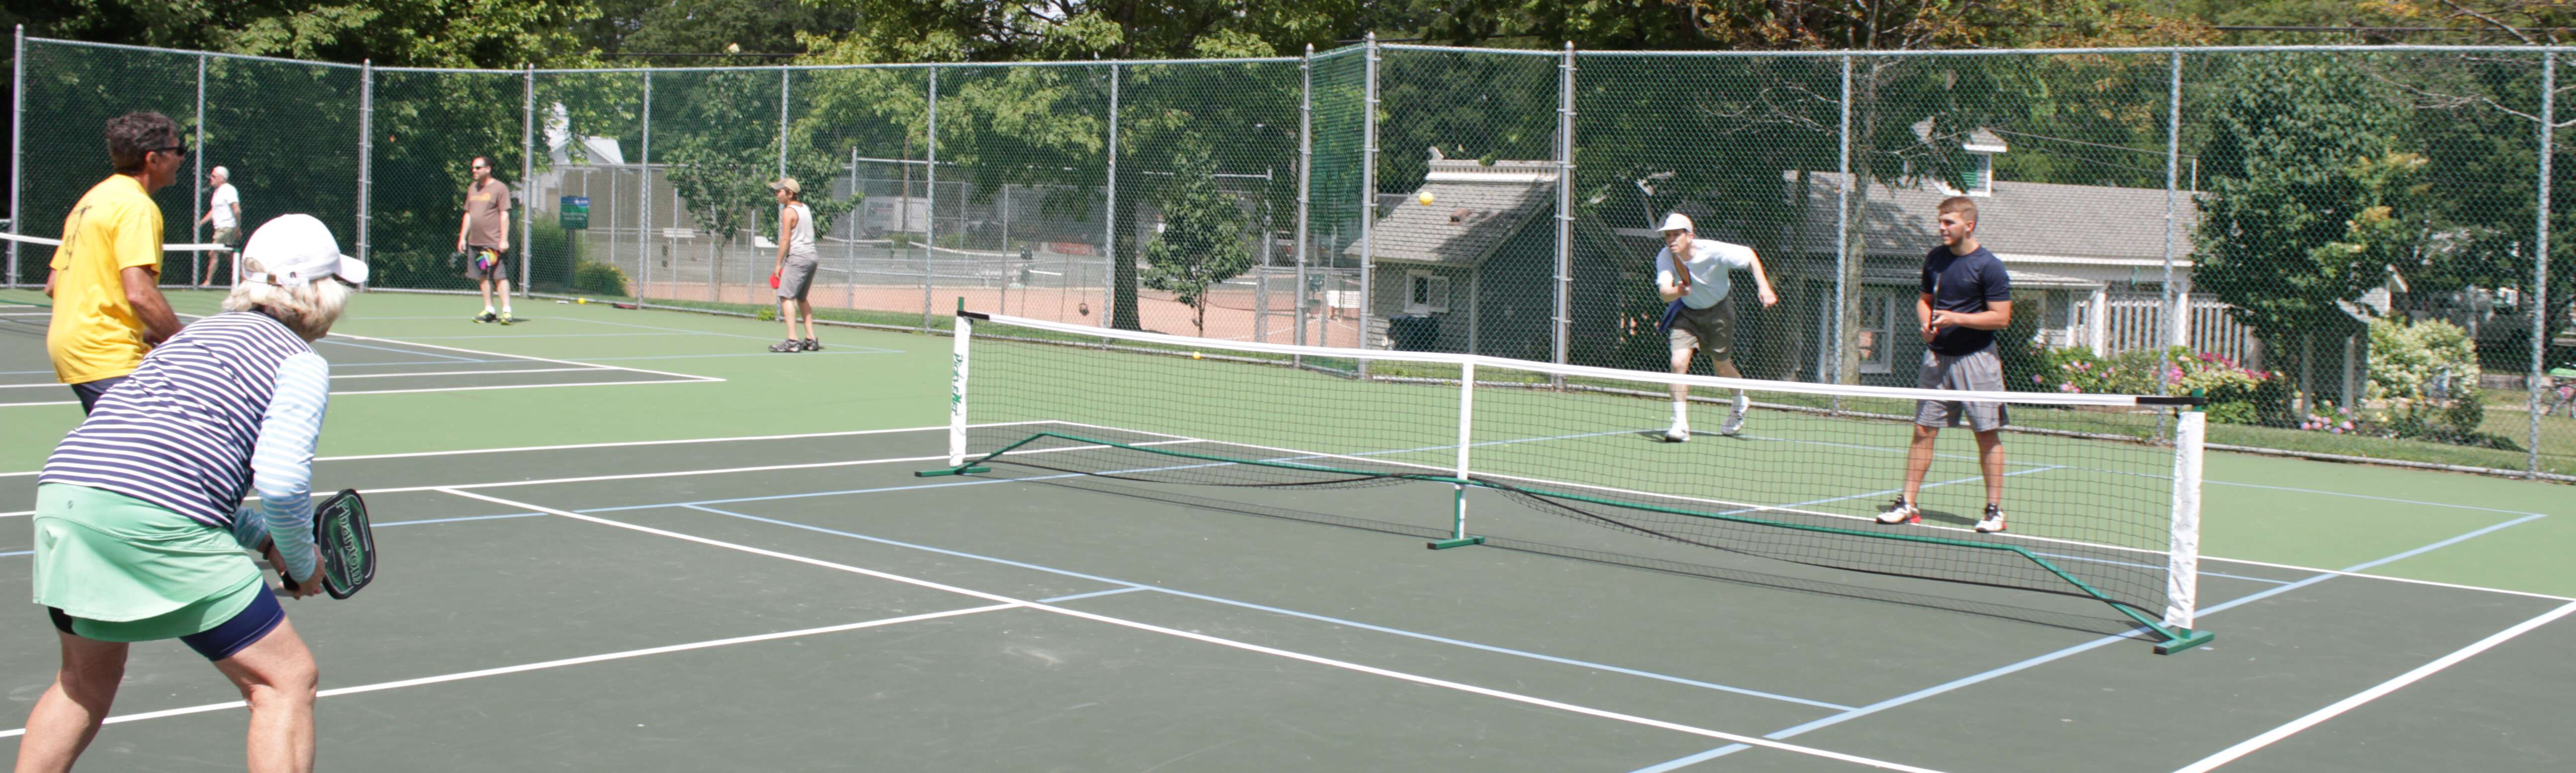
(1470, 271)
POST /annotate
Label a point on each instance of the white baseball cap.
(1677, 222)
(296, 250)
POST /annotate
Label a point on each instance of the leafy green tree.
(1201, 244)
(417, 33)
(2309, 199)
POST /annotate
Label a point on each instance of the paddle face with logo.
(348, 544)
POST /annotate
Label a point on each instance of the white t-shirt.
(225, 199)
(800, 240)
(1709, 263)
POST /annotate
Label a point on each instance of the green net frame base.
(2171, 639)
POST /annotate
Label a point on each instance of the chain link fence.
(2347, 249)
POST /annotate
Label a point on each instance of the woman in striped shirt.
(141, 528)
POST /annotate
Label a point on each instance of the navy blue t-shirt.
(1964, 284)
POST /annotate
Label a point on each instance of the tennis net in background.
(2096, 512)
(181, 264)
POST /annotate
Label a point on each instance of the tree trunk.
(1855, 242)
(1122, 267)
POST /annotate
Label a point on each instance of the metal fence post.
(527, 173)
(17, 143)
(1564, 208)
(644, 194)
(2539, 376)
(197, 202)
(930, 219)
(782, 123)
(1842, 237)
(1368, 193)
(366, 148)
(1305, 178)
(1109, 239)
(2177, 304)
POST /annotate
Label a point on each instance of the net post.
(1843, 362)
(1110, 284)
(2182, 569)
(958, 360)
(1458, 536)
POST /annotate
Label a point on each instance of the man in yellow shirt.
(108, 308)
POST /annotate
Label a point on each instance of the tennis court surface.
(691, 555)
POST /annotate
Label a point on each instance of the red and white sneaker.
(1993, 522)
(1900, 511)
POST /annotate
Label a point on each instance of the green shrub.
(598, 279)
(2422, 385)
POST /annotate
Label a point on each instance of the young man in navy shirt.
(1966, 297)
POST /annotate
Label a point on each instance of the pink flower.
(2034, 378)
(2084, 366)
(2067, 387)
(2347, 424)
(2208, 357)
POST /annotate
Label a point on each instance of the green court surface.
(620, 539)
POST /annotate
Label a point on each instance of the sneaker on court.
(1993, 522)
(812, 345)
(1679, 433)
(1900, 511)
(485, 317)
(1734, 424)
(789, 345)
(507, 319)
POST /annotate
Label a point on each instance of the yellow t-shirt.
(95, 333)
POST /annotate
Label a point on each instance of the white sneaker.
(1734, 424)
(1679, 433)
(1900, 511)
(1993, 522)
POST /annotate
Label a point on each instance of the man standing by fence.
(484, 237)
(1966, 297)
(223, 209)
(108, 308)
(793, 275)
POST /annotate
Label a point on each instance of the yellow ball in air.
(1426, 197)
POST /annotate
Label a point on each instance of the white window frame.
(1981, 178)
(1432, 285)
(1885, 330)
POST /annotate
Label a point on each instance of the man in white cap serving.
(1691, 275)
(1693, 279)
(141, 524)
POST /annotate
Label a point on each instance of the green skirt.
(128, 570)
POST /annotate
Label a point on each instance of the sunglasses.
(180, 151)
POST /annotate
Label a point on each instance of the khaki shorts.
(1978, 371)
(228, 237)
(796, 278)
(1710, 330)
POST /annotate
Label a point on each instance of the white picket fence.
(2137, 321)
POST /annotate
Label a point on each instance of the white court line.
(464, 373)
(1246, 646)
(2230, 754)
(619, 444)
(525, 357)
(560, 663)
(538, 335)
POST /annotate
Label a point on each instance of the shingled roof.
(1474, 209)
(2081, 223)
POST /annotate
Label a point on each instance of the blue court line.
(18, 553)
(2053, 656)
(1275, 610)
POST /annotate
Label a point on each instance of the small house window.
(1425, 293)
(1979, 177)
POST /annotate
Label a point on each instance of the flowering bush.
(2236, 395)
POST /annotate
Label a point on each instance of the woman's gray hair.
(309, 310)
